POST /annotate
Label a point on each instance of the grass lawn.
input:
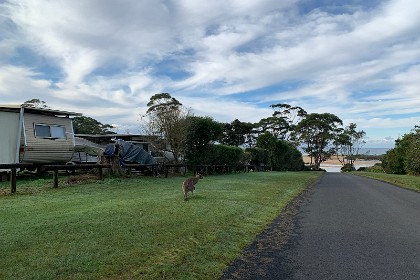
(405, 181)
(138, 228)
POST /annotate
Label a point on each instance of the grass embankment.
(405, 181)
(140, 228)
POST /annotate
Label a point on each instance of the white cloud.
(21, 84)
(109, 57)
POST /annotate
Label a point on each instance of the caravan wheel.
(70, 171)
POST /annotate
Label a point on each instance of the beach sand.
(334, 165)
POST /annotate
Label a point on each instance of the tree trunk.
(114, 161)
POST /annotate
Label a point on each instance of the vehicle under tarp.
(129, 153)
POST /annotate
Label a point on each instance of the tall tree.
(238, 133)
(291, 114)
(168, 119)
(348, 143)
(88, 125)
(267, 141)
(275, 126)
(282, 122)
(317, 132)
(35, 103)
(202, 133)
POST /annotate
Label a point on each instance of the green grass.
(405, 181)
(139, 228)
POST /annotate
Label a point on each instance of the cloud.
(227, 59)
(14, 81)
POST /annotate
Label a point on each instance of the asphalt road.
(347, 227)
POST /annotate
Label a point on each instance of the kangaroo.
(189, 185)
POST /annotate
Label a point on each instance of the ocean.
(365, 151)
(373, 151)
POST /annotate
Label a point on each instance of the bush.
(224, 155)
(412, 157)
(405, 157)
(256, 156)
(377, 168)
(287, 157)
(281, 154)
(347, 168)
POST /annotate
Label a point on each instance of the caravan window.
(50, 131)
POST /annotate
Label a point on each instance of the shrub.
(405, 157)
(224, 155)
(281, 154)
(257, 156)
(377, 168)
(347, 168)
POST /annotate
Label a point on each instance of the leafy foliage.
(405, 157)
(347, 145)
(202, 133)
(282, 155)
(35, 103)
(238, 133)
(225, 155)
(257, 156)
(278, 127)
(161, 102)
(317, 132)
(169, 121)
(88, 125)
(291, 115)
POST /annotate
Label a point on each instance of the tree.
(317, 132)
(412, 159)
(277, 127)
(282, 155)
(267, 141)
(405, 157)
(88, 125)
(256, 156)
(168, 120)
(202, 133)
(238, 133)
(35, 103)
(282, 122)
(292, 115)
(347, 145)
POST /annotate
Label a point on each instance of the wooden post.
(13, 180)
(55, 178)
(100, 173)
(166, 171)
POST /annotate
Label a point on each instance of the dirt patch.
(81, 179)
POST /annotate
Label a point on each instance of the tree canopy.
(168, 120)
(347, 144)
(88, 125)
(202, 133)
(317, 132)
(237, 133)
(405, 157)
(35, 103)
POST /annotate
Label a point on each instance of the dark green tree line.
(404, 158)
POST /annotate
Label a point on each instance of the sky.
(227, 59)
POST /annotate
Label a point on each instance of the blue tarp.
(129, 152)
